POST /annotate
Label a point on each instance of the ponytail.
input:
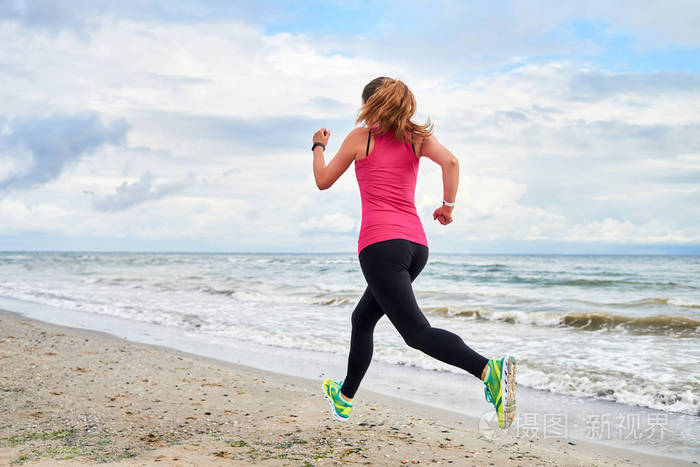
(389, 104)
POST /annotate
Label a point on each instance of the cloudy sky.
(186, 126)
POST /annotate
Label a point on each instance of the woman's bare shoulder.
(359, 130)
(357, 134)
(422, 142)
(423, 139)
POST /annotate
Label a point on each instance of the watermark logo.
(598, 426)
(488, 425)
(626, 426)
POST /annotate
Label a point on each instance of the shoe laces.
(487, 393)
(487, 390)
(337, 396)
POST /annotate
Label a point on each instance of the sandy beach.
(72, 396)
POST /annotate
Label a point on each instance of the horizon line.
(186, 252)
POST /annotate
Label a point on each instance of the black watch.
(318, 144)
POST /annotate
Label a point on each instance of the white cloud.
(40, 148)
(139, 191)
(658, 23)
(614, 231)
(549, 151)
(14, 163)
(329, 223)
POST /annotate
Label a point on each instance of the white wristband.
(447, 204)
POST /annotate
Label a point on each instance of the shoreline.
(141, 401)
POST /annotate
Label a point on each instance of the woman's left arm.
(326, 175)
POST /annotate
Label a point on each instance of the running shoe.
(339, 408)
(499, 386)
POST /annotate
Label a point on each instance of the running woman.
(392, 246)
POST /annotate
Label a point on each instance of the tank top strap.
(369, 137)
(372, 132)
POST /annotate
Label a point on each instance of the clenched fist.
(321, 136)
(443, 214)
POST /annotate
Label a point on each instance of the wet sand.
(73, 396)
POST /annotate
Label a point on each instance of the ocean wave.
(621, 387)
(658, 324)
(548, 279)
(252, 295)
(598, 282)
(494, 266)
(678, 326)
(335, 300)
(645, 302)
(215, 291)
(649, 301)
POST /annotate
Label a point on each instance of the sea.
(623, 330)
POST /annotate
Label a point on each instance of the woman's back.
(387, 181)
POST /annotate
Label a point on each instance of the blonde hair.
(389, 104)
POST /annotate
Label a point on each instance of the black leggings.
(390, 267)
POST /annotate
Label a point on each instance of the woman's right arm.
(436, 152)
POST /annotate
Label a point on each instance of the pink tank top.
(387, 180)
